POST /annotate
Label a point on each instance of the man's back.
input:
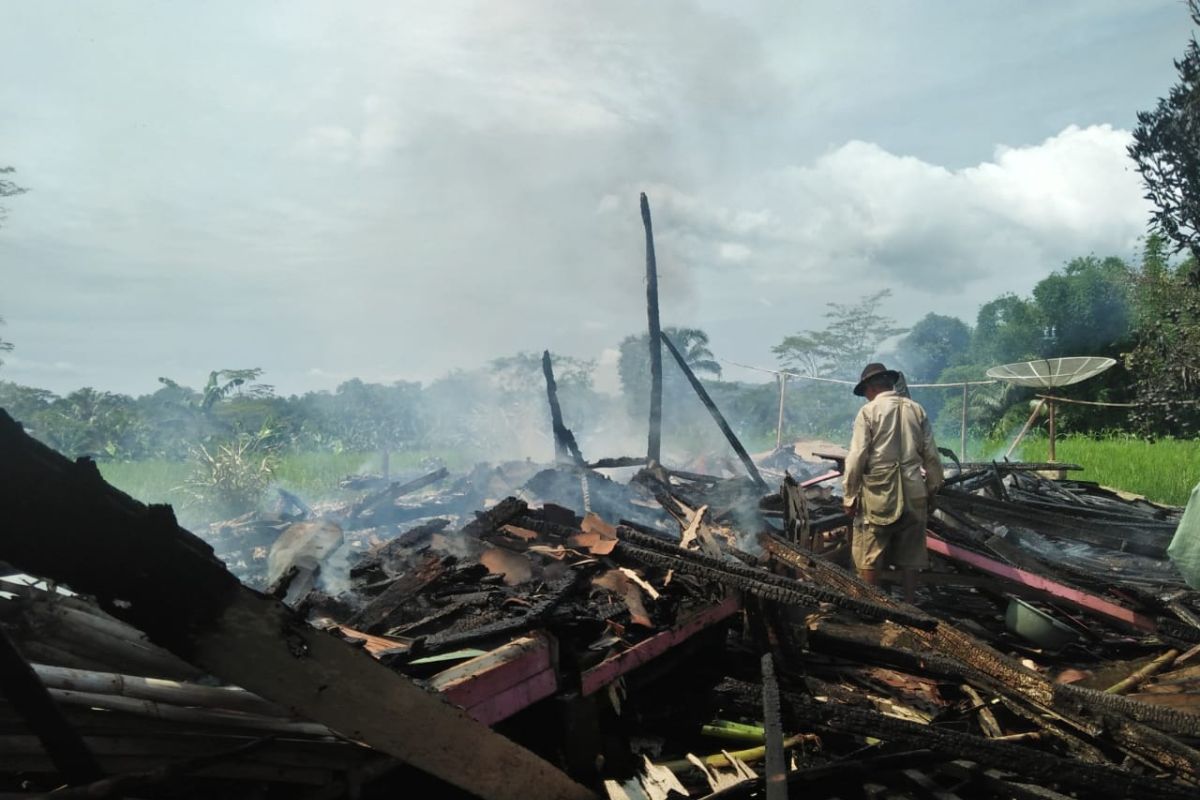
(892, 441)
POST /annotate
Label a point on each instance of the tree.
(633, 365)
(8, 189)
(1165, 361)
(1166, 149)
(845, 345)
(227, 383)
(1087, 307)
(933, 344)
(1008, 329)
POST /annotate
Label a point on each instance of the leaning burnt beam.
(717, 416)
(61, 521)
(565, 448)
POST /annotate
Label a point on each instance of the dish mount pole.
(1050, 407)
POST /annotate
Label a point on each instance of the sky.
(392, 190)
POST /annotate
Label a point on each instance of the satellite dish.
(1049, 372)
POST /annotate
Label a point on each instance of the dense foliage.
(1166, 150)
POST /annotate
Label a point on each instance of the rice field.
(1163, 471)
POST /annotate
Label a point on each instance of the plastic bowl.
(1037, 626)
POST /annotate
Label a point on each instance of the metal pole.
(962, 450)
(779, 424)
(1051, 402)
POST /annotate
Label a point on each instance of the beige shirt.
(891, 444)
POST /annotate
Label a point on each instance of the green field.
(1164, 471)
(312, 476)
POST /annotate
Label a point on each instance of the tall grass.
(155, 480)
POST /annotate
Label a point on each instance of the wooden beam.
(777, 767)
(1076, 597)
(63, 522)
(654, 446)
(596, 678)
(565, 447)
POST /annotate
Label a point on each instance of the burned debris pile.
(549, 631)
(673, 635)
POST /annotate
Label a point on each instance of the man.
(891, 471)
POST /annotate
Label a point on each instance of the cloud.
(859, 212)
(391, 189)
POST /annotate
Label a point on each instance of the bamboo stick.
(189, 716)
(1137, 678)
(734, 731)
(749, 756)
(229, 698)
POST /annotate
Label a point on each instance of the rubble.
(624, 655)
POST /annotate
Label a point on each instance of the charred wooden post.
(23, 689)
(717, 416)
(654, 448)
(565, 448)
(795, 513)
(63, 522)
(773, 726)
(782, 378)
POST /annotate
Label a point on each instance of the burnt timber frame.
(63, 522)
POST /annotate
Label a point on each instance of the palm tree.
(692, 343)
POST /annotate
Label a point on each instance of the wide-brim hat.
(874, 370)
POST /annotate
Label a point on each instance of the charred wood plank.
(377, 616)
(62, 521)
(533, 616)
(759, 582)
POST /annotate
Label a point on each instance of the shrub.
(230, 477)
